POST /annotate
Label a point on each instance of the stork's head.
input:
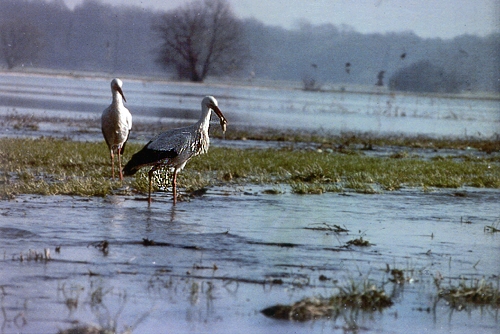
(211, 103)
(116, 86)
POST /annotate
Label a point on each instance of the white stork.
(116, 123)
(175, 147)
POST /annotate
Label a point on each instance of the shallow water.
(218, 260)
(274, 107)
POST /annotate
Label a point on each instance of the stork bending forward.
(175, 147)
(116, 123)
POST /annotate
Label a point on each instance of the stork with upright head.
(175, 147)
(116, 123)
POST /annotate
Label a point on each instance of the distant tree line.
(423, 77)
(92, 37)
(126, 39)
(20, 43)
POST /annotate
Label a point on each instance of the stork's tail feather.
(134, 164)
(124, 143)
(122, 150)
(130, 169)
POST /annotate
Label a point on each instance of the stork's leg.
(112, 163)
(120, 164)
(174, 186)
(150, 177)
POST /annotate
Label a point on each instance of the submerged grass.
(54, 166)
(365, 297)
(366, 140)
(475, 293)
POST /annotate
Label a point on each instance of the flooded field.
(212, 263)
(282, 108)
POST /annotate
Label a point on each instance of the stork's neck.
(117, 98)
(204, 121)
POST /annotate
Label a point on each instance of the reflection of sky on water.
(240, 230)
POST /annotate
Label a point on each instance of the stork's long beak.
(223, 121)
(119, 89)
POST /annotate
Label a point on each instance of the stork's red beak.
(223, 121)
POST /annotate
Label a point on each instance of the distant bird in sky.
(175, 147)
(116, 123)
(403, 55)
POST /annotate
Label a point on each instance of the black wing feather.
(147, 157)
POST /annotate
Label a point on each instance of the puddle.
(213, 263)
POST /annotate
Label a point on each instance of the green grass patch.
(348, 171)
(54, 166)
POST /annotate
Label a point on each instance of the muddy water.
(212, 263)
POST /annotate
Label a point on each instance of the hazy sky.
(426, 18)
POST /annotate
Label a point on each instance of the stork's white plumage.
(116, 123)
(175, 147)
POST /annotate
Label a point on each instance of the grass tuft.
(476, 293)
(365, 297)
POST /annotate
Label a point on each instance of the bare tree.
(426, 77)
(201, 38)
(19, 43)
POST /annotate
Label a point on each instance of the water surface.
(275, 107)
(219, 259)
